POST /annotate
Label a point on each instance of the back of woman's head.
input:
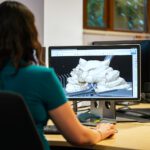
(18, 34)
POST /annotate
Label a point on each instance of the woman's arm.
(74, 132)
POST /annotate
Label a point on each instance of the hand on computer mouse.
(106, 130)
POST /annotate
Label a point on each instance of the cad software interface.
(93, 73)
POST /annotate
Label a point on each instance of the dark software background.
(64, 65)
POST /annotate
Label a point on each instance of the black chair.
(17, 128)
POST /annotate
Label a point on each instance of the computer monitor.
(98, 73)
(145, 59)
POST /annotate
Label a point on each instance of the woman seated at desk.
(21, 71)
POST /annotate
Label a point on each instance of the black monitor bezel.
(84, 47)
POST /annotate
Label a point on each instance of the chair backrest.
(17, 128)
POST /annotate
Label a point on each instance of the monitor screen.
(145, 59)
(98, 72)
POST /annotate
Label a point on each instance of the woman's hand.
(106, 130)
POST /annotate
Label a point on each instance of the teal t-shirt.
(40, 88)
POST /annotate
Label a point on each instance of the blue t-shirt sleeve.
(52, 90)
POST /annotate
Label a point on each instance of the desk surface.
(131, 135)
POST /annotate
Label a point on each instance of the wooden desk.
(131, 136)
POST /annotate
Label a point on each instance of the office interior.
(60, 23)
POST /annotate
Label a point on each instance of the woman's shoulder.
(38, 70)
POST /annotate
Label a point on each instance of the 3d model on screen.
(96, 76)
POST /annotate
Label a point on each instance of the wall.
(62, 22)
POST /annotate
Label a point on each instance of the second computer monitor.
(98, 72)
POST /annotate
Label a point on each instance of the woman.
(38, 85)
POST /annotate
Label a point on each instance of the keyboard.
(51, 129)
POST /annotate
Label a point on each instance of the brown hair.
(18, 35)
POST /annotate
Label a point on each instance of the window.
(117, 15)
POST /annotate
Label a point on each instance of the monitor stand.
(106, 110)
(100, 111)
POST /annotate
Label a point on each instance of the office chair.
(17, 128)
